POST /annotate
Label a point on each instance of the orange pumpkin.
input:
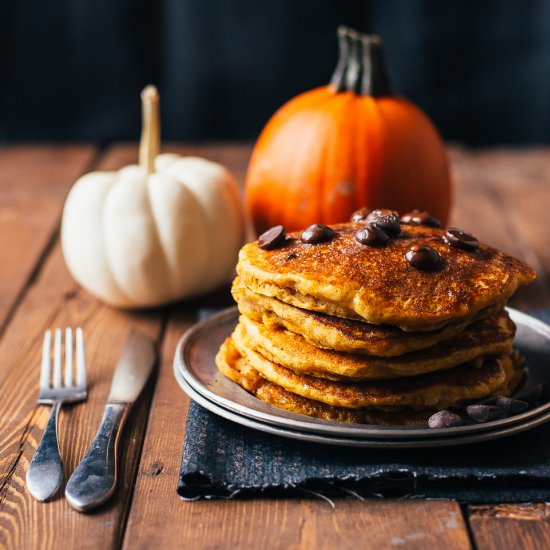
(350, 144)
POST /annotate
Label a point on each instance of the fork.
(45, 472)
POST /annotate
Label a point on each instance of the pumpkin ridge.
(329, 185)
(160, 245)
(255, 185)
(126, 297)
(283, 212)
(377, 139)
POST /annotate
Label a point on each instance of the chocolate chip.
(509, 406)
(371, 235)
(423, 257)
(486, 400)
(484, 413)
(360, 215)
(375, 214)
(389, 224)
(272, 238)
(418, 217)
(445, 419)
(460, 239)
(317, 233)
(292, 256)
(530, 392)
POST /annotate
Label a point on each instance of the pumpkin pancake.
(440, 390)
(235, 367)
(348, 335)
(377, 284)
(491, 336)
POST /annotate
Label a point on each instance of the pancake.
(377, 284)
(347, 335)
(491, 336)
(440, 390)
(235, 367)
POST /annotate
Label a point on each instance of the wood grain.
(511, 526)
(55, 300)
(292, 524)
(33, 185)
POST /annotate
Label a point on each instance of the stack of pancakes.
(341, 330)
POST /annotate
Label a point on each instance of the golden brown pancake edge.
(491, 336)
(341, 334)
(344, 278)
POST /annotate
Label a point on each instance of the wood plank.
(33, 184)
(511, 526)
(55, 300)
(503, 197)
(259, 523)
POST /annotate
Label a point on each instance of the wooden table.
(503, 196)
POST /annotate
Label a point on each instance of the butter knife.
(94, 479)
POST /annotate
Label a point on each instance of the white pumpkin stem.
(149, 145)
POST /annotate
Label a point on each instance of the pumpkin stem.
(361, 68)
(149, 145)
(338, 81)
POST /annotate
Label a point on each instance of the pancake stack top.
(380, 320)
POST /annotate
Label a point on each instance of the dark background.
(73, 69)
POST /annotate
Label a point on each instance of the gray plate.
(195, 370)
(421, 443)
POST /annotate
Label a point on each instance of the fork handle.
(94, 479)
(45, 471)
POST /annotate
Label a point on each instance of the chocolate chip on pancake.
(272, 238)
(423, 257)
(418, 217)
(360, 215)
(375, 214)
(371, 235)
(389, 224)
(460, 239)
(317, 233)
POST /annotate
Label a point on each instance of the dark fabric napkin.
(222, 459)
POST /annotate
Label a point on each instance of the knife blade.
(133, 368)
(94, 479)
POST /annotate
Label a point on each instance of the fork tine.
(57, 359)
(46, 359)
(68, 357)
(80, 359)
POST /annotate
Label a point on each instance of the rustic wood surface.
(503, 196)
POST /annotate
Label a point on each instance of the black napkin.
(222, 459)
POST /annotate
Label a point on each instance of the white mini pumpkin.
(146, 235)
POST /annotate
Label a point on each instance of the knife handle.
(94, 479)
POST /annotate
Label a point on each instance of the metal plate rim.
(294, 421)
(421, 443)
